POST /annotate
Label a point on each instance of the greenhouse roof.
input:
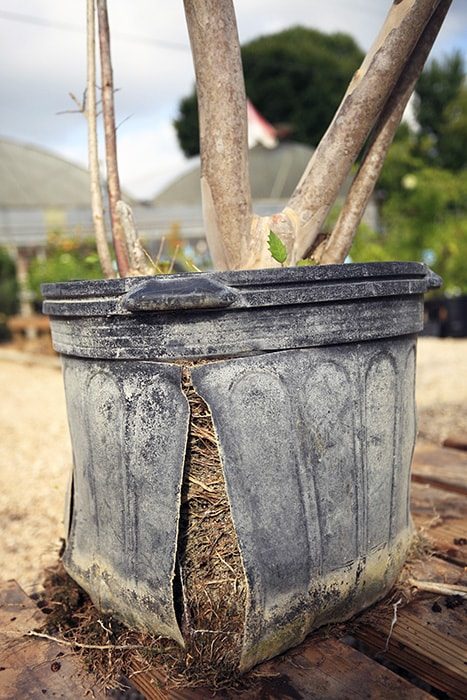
(31, 177)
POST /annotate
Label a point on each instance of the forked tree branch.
(339, 243)
(89, 107)
(113, 182)
(366, 96)
(236, 238)
(225, 182)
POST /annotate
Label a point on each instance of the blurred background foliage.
(423, 186)
(8, 284)
(8, 290)
(65, 258)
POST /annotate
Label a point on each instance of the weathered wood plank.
(32, 668)
(441, 467)
(456, 442)
(432, 503)
(327, 668)
(449, 538)
(320, 669)
(429, 638)
(442, 517)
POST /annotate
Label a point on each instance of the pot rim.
(348, 272)
(238, 289)
(227, 314)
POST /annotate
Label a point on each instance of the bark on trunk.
(339, 243)
(138, 260)
(225, 182)
(238, 239)
(366, 96)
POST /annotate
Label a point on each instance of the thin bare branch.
(225, 182)
(81, 105)
(173, 259)
(69, 111)
(339, 243)
(161, 250)
(441, 588)
(365, 98)
(125, 119)
(89, 107)
(113, 182)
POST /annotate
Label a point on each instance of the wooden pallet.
(19, 325)
(30, 668)
(427, 648)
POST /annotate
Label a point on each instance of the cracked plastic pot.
(308, 374)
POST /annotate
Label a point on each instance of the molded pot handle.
(172, 293)
(433, 280)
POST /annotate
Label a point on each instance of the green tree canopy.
(296, 77)
(441, 110)
(452, 139)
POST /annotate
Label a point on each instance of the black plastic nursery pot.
(446, 317)
(309, 377)
(453, 316)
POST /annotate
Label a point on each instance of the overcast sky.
(42, 59)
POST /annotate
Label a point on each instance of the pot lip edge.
(338, 273)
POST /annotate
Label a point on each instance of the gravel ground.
(441, 388)
(35, 454)
(35, 459)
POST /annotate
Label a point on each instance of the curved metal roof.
(31, 177)
(274, 173)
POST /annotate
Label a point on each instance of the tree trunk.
(225, 182)
(339, 243)
(366, 96)
(236, 238)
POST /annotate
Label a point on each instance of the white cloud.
(149, 159)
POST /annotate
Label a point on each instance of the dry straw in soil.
(212, 576)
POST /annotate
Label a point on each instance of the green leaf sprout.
(279, 251)
(306, 262)
(277, 248)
